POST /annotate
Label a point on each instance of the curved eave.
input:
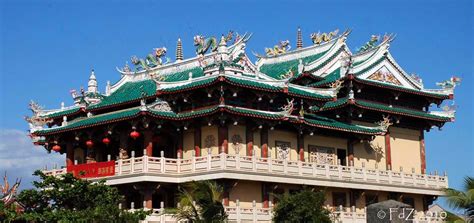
(249, 84)
(381, 108)
(403, 89)
(128, 114)
(60, 114)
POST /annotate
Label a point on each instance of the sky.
(48, 48)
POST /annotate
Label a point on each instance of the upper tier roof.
(327, 62)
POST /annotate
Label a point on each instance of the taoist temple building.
(352, 123)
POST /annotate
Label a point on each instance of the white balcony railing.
(273, 167)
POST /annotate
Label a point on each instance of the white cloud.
(20, 158)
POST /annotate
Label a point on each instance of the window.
(321, 155)
(283, 149)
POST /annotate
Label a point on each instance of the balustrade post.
(237, 211)
(339, 169)
(145, 161)
(254, 161)
(300, 165)
(326, 168)
(178, 162)
(109, 157)
(209, 161)
(390, 176)
(254, 211)
(285, 165)
(364, 172)
(351, 168)
(237, 161)
(162, 161)
(377, 175)
(313, 165)
(270, 162)
(402, 176)
(119, 167)
(223, 158)
(132, 162)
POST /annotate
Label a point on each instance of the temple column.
(266, 195)
(264, 141)
(300, 142)
(388, 151)
(148, 142)
(350, 151)
(147, 190)
(223, 135)
(197, 140)
(422, 151)
(69, 154)
(249, 139)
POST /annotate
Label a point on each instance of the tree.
(463, 200)
(68, 199)
(200, 201)
(303, 206)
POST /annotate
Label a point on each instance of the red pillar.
(249, 139)
(148, 197)
(388, 151)
(226, 198)
(422, 151)
(197, 140)
(264, 141)
(350, 151)
(69, 154)
(301, 146)
(148, 142)
(266, 196)
(223, 134)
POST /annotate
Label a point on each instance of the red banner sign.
(89, 170)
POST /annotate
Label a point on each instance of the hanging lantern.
(106, 141)
(134, 134)
(89, 143)
(56, 148)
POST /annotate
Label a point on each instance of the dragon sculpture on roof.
(319, 38)
(151, 60)
(370, 44)
(281, 48)
(203, 44)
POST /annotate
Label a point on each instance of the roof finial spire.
(92, 84)
(179, 50)
(299, 39)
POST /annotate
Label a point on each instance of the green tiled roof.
(399, 110)
(316, 120)
(191, 84)
(381, 107)
(183, 75)
(275, 70)
(302, 93)
(94, 120)
(129, 91)
(183, 115)
(61, 113)
(254, 112)
(330, 78)
(252, 83)
(402, 88)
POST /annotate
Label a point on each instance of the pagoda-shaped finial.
(179, 50)
(299, 39)
(92, 84)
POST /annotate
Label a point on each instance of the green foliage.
(69, 199)
(200, 201)
(8, 212)
(303, 206)
(463, 200)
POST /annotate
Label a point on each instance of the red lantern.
(89, 143)
(106, 141)
(134, 134)
(56, 148)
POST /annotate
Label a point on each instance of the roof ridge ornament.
(319, 38)
(450, 84)
(179, 50)
(385, 123)
(288, 108)
(299, 39)
(281, 48)
(152, 60)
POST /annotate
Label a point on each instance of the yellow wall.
(207, 131)
(365, 153)
(405, 148)
(246, 192)
(323, 141)
(285, 136)
(188, 143)
(256, 144)
(237, 130)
